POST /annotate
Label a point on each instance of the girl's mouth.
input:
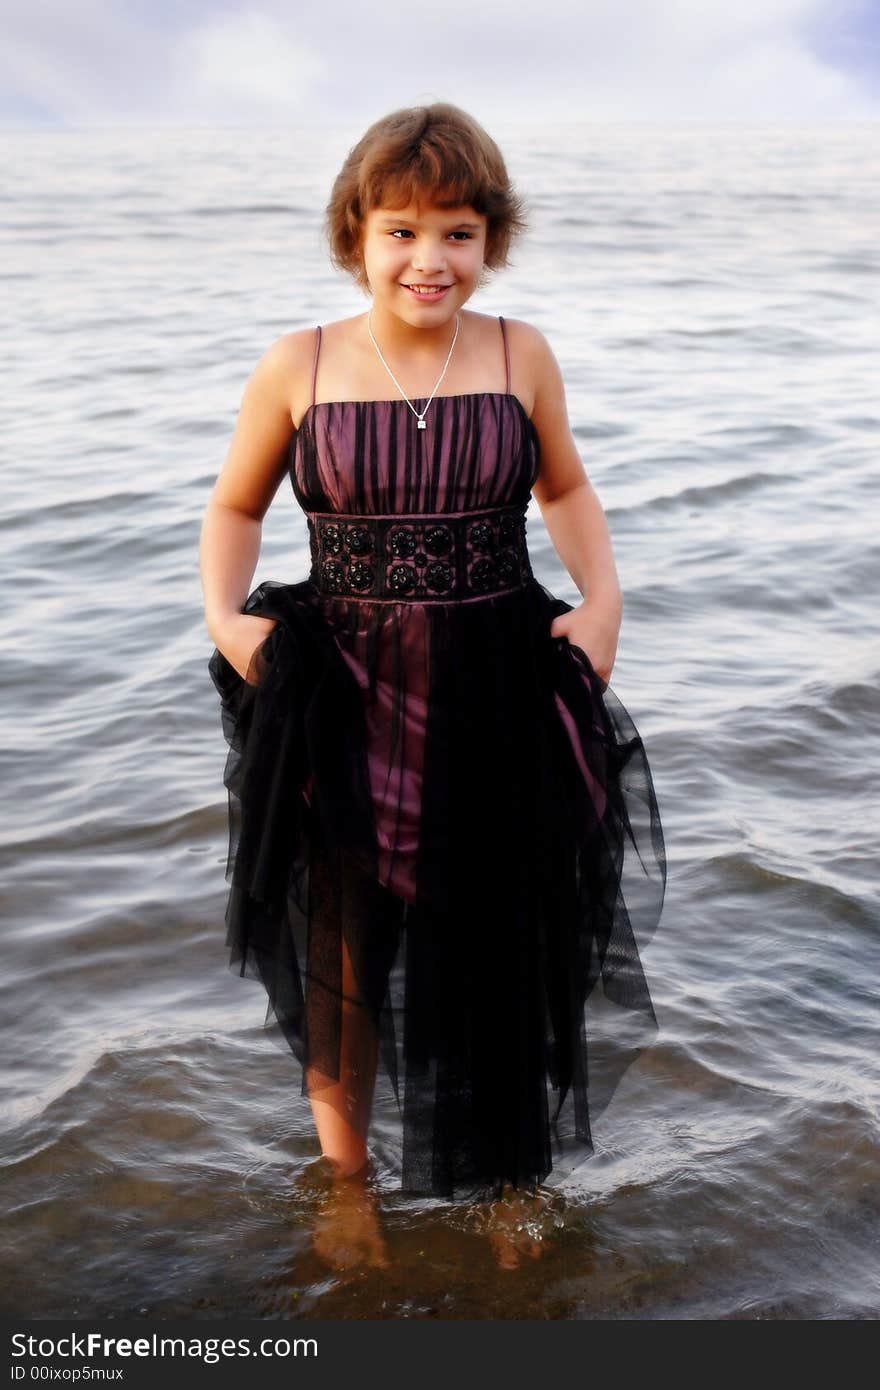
(429, 295)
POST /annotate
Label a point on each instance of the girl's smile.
(428, 293)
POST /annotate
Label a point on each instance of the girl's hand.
(241, 637)
(594, 626)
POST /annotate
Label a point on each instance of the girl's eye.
(407, 232)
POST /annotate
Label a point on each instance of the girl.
(444, 836)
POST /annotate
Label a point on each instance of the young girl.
(444, 837)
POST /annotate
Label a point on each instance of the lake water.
(713, 296)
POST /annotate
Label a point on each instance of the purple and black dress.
(445, 850)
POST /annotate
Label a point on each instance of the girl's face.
(426, 246)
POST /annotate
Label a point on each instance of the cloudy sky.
(230, 62)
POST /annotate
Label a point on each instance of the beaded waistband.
(419, 556)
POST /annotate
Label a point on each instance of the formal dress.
(445, 849)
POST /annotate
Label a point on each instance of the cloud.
(269, 62)
(248, 64)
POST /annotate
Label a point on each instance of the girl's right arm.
(251, 475)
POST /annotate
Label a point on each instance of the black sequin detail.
(422, 557)
(402, 541)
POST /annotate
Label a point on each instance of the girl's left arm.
(575, 519)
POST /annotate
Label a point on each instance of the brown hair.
(438, 152)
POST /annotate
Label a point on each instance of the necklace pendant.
(420, 419)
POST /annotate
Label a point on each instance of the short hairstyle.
(437, 152)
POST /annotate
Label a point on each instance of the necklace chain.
(419, 416)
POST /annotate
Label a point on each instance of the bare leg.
(341, 1109)
(347, 1229)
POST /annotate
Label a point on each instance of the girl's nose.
(428, 260)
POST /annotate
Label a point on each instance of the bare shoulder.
(532, 361)
(294, 357)
(519, 333)
(528, 341)
(540, 376)
(293, 345)
(290, 361)
(287, 362)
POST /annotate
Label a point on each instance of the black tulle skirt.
(468, 936)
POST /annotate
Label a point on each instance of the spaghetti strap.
(315, 368)
(506, 351)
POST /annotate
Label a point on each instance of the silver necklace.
(419, 417)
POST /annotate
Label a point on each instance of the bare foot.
(519, 1224)
(347, 1231)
